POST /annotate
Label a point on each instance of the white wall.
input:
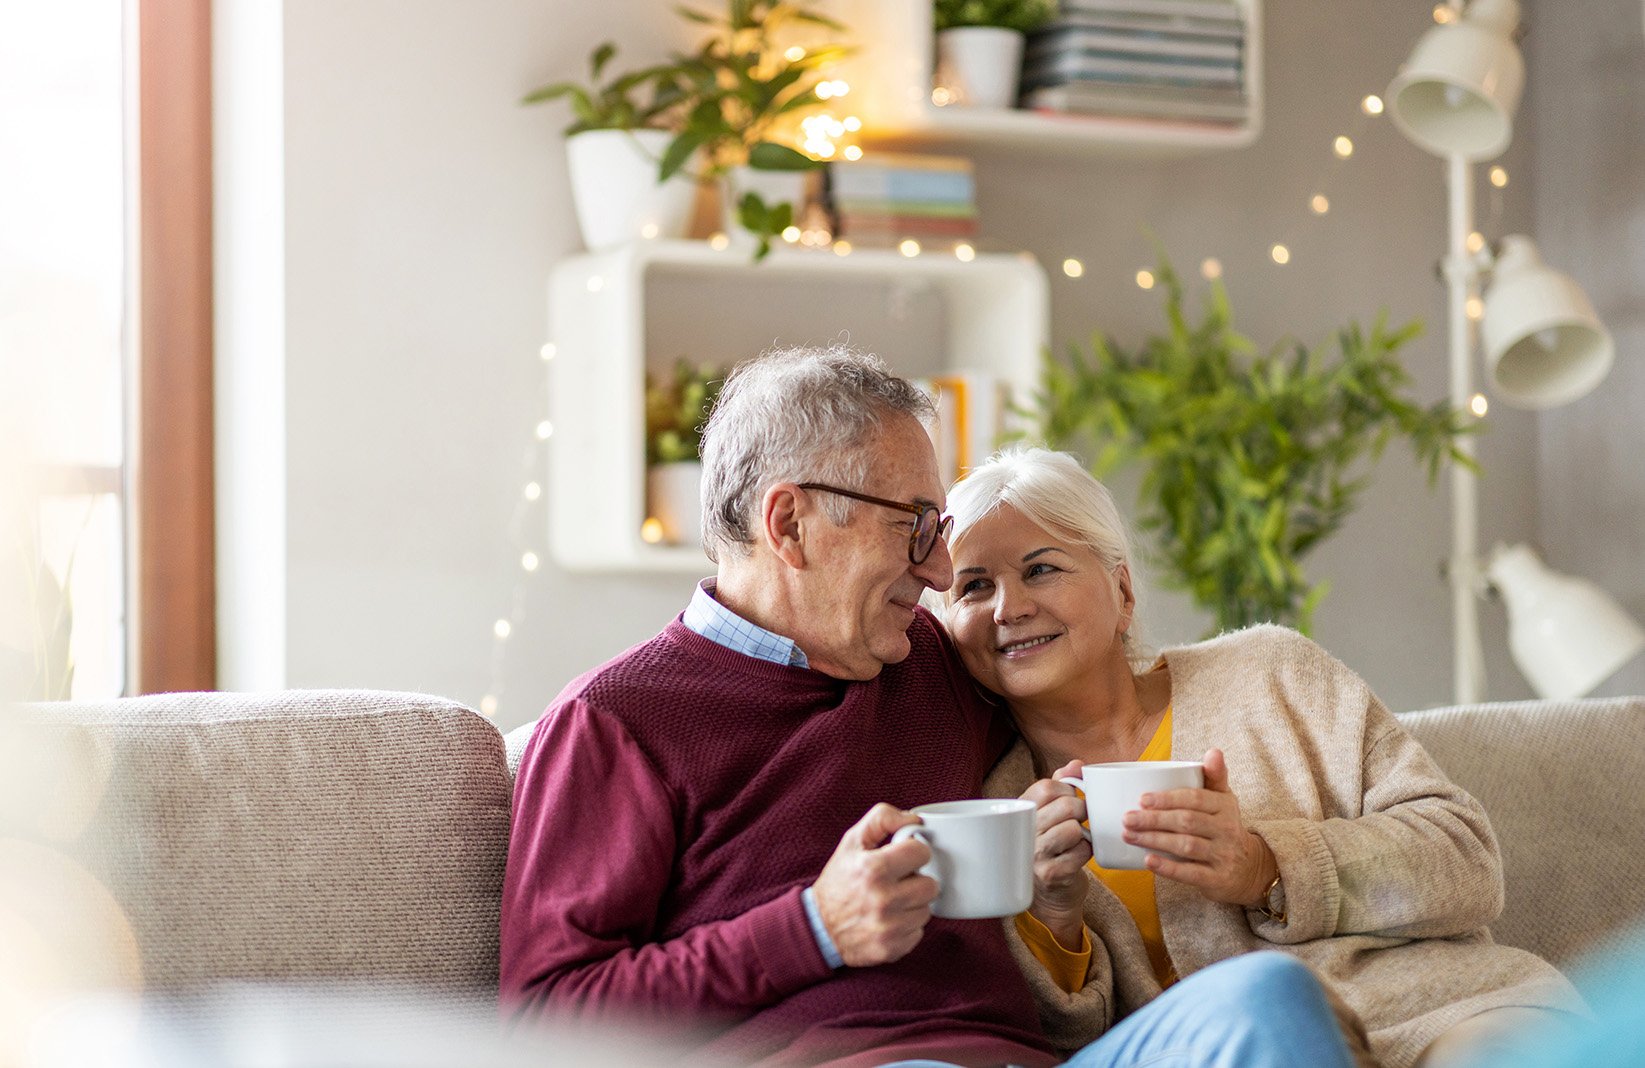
(1589, 158)
(424, 211)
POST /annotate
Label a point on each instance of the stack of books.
(887, 198)
(1173, 60)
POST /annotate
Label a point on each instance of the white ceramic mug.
(982, 855)
(1112, 790)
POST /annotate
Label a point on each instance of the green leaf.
(602, 56)
(770, 156)
(679, 151)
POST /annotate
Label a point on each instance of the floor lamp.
(1544, 346)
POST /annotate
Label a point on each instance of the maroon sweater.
(672, 805)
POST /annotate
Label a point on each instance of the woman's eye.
(972, 586)
(1040, 569)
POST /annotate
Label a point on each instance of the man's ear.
(1128, 599)
(784, 511)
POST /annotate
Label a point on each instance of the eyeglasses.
(928, 527)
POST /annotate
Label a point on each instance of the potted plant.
(979, 47)
(618, 134)
(739, 87)
(676, 410)
(1248, 461)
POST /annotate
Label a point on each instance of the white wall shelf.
(991, 315)
(890, 76)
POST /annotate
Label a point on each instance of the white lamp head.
(1544, 345)
(1566, 635)
(1457, 93)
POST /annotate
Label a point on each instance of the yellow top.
(1135, 889)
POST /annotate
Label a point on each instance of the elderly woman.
(1323, 828)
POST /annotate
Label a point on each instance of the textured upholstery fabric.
(1564, 785)
(303, 836)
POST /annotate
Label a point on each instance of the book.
(1083, 40)
(1214, 10)
(918, 209)
(1146, 70)
(897, 227)
(1056, 99)
(879, 182)
(1087, 95)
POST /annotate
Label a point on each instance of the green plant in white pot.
(742, 89)
(979, 47)
(619, 132)
(676, 410)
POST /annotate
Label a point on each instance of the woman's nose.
(1011, 603)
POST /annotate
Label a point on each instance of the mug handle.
(1079, 784)
(914, 830)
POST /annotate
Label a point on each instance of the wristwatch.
(1272, 905)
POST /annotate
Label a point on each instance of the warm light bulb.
(595, 284)
(942, 96)
(1371, 105)
(719, 242)
(842, 247)
(1479, 405)
(545, 430)
(1475, 242)
(1145, 279)
(1281, 255)
(651, 531)
(852, 124)
(529, 561)
(649, 231)
(1073, 268)
(1444, 14)
(502, 628)
(840, 87)
(1475, 308)
(547, 351)
(791, 234)
(909, 247)
(826, 150)
(852, 152)
(533, 490)
(964, 253)
(1211, 268)
(488, 705)
(794, 54)
(1320, 204)
(1343, 147)
(1499, 177)
(825, 90)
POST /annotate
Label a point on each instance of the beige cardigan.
(1390, 871)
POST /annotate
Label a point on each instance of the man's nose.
(937, 570)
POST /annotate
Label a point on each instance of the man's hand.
(869, 894)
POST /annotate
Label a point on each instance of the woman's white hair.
(795, 415)
(1058, 494)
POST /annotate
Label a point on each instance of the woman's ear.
(1128, 599)
(783, 512)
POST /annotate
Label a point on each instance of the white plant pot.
(614, 187)
(674, 498)
(980, 65)
(774, 187)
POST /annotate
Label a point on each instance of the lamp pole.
(1462, 282)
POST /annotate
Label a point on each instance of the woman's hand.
(1210, 848)
(1061, 853)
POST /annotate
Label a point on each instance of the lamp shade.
(1566, 635)
(1457, 93)
(1544, 345)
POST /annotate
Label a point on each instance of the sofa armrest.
(1564, 785)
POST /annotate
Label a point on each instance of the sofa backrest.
(294, 837)
(1564, 785)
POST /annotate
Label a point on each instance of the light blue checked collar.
(719, 624)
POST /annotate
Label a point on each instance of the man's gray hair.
(795, 415)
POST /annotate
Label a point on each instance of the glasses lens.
(925, 534)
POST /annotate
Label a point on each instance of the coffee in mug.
(1112, 790)
(982, 855)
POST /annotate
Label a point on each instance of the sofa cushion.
(1562, 783)
(301, 836)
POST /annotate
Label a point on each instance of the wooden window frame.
(173, 613)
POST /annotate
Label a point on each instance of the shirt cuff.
(830, 952)
(1066, 967)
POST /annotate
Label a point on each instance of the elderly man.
(701, 826)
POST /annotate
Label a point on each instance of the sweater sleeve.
(1417, 860)
(590, 860)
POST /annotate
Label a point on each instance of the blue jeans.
(1259, 1010)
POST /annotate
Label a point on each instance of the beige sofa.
(325, 836)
